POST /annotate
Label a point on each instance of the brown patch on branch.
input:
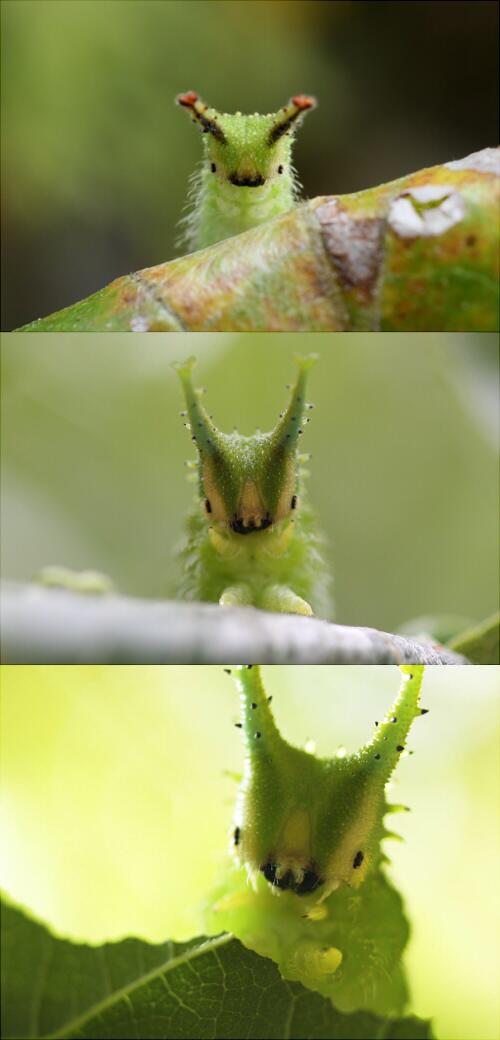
(354, 243)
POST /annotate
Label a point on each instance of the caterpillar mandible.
(246, 177)
(309, 825)
(251, 536)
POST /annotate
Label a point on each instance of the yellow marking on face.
(251, 509)
(295, 839)
(251, 513)
(341, 863)
(218, 509)
(284, 506)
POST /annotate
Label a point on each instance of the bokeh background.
(403, 478)
(96, 157)
(117, 804)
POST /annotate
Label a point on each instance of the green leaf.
(211, 988)
(481, 644)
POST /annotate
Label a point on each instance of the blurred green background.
(117, 806)
(96, 158)
(404, 474)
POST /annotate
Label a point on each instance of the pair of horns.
(287, 430)
(283, 120)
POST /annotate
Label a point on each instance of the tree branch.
(42, 626)
(419, 254)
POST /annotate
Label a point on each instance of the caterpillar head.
(309, 825)
(247, 150)
(248, 484)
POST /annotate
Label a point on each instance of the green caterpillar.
(307, 887)
(246, 177)
(251, 537)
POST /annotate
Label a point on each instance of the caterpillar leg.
(236, 596)
(312, 961)
(281, 599)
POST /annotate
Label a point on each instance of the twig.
(42, 625)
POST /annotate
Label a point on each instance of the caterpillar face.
(247, 150)
(243, 506)
(248, 485)
(308, 825)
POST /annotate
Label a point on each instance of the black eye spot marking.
(269, 872)
(280, 169)
(237, 836)
(213, 167)
(309, 883)
(239, 526)
(208, 507)
(394, 719)
(258, 735)
(293, 503)
(358, 859)
(253, 705)
(376, 756)
(246, 182)
(400, 747)
(284, 882)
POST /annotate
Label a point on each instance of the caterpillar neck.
(227, 209)
(271, 540)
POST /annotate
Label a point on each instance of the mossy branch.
(419, 254)
(41, 625)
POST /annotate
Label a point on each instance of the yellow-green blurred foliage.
(404, 475)
(96, 158)
(117, 806)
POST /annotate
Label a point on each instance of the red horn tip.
(304, 101)
(188, 99)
